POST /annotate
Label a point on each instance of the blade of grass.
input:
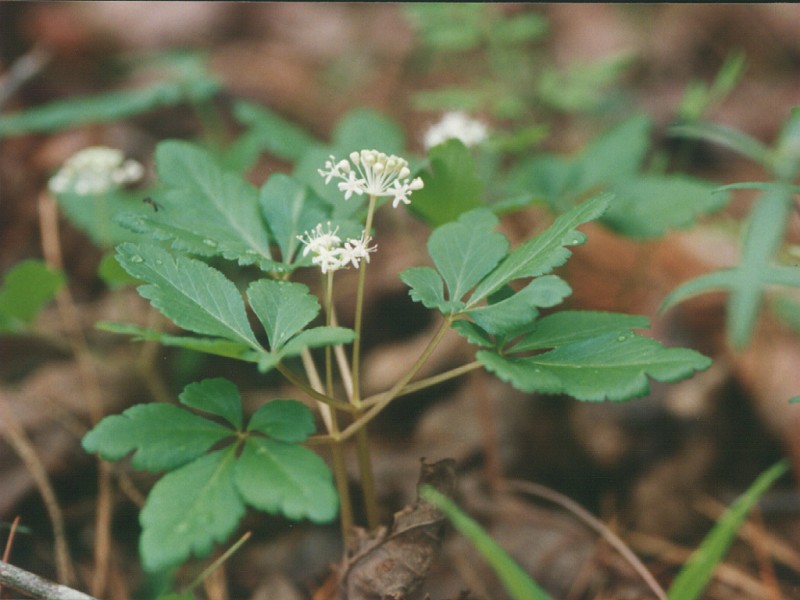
(518, 584)
(698, 570)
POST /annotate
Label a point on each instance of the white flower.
(94, 171)
(329, 254)
(458, 125)
(373, 173)
(354, 251)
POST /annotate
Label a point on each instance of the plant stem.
(427, 382)
(312, 392)
(35, 586)
(367, 478)
(362, 278)
(384, 399)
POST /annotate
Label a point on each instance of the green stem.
(328, 361)
(362, 278)
(386, 397)
(427, 382)
(316, 395)
(367, 479)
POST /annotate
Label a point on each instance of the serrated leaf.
(283, 308)
(614, 156)
(541, 254)
(215, 396)
(27, 287)
(466, 250)
(283, 478)
(452, 186)
(290, 209)
(189, 510)
(216, 346)
(284, 420)
(571, 326)
(648, 206)
(195, 296)
(519, 309)
(162, 436)
(699, 569)
(273, 133)
(112, 273)
(611, 365)
(206, 210)
(473, 334)
(426, 286)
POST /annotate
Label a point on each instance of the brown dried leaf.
(393, 565)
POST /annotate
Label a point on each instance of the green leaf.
(543, 253)
(283, 420)
(466, 250)
(698, 570)
(163, 436)
(519, 309)
(426, 286)
(648, 206)
(215, 396)
(726, 136)
(97, 215)
(452, 186)
(112, 273)
(195, 296)
(216, 346)
(580, 87)
(747, 282)
(28, 287)
(283, 307)
(189, 510)
(591, 359)
(101, 108)
(283, 478)
(205, 210)
(514, 579)
(273, 133)
(290, 209)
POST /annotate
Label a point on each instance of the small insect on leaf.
(151, 202)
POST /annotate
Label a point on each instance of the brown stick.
(37, 587)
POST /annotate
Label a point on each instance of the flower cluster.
(374, 173)
(95, 170)
(329, 252)
(456, 125)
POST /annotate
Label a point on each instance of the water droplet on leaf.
(137, 259)
(210, 243)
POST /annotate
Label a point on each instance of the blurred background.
(658, 469)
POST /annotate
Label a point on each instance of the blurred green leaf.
(27, 288)
(452, 186)
(271, 133)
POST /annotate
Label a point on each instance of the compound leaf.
(189, 510)
(188, 291)
(288, 479)
(426, 286)
(591, 361)
(163, 436)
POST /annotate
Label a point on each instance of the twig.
(39, 588)
(24, 68)
(534, 489)
(51, 248)
(16, 437)
(9, 543)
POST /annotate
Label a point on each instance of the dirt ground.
(656, 471)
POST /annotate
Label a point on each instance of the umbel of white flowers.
(95, 170)
(456, 125)
(373, 173)
(329, 252)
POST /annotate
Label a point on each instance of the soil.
(657, 471)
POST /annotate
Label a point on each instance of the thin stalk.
(384, 399)
(362, 278)
(319, 396)
(217, 563)
(367, 479)
(427, 382)
(328, 362)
